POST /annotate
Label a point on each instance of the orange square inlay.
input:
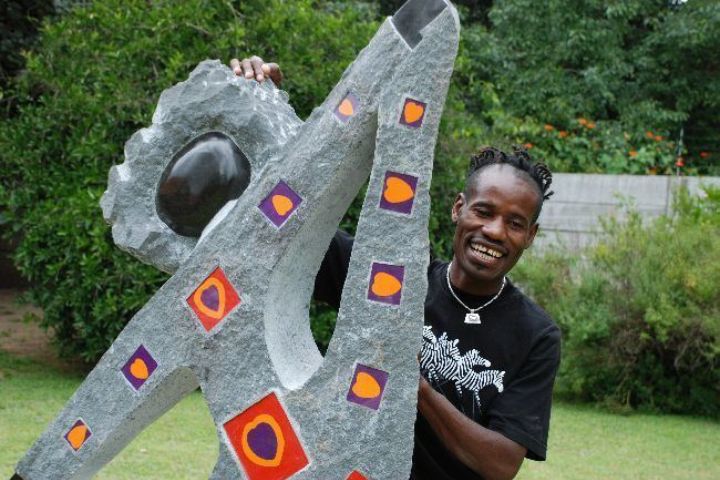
(213, 299)
(264, 441)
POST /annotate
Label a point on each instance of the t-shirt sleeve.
(333, 270)
(522, 411)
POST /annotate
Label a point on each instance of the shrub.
(93, 80)
(620, 65)
(640, 312)
(18, 28)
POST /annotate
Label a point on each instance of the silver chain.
(472, 317)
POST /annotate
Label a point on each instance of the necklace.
(472, 317)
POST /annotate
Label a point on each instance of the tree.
(629, 67)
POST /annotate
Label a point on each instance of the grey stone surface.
(257, 116)
(263, 345)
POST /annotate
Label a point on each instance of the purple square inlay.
(367, 386)
(398, 192)
(347, 108)
(280, 203)
(139, 367)
(88, 434)
(413, 113)
(386, 283)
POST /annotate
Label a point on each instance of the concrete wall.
(571, 216)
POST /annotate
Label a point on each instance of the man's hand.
(255, 67)
(486, 452)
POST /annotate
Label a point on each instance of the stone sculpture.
(233, 319)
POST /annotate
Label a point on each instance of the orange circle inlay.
(197, 298)
(346, 107)
(385, 285)
(77, 436)
(282, 204)
(397, 190)
(366, 386)
(413, 112)
(139, 369)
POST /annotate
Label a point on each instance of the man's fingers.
(235, 65)
(255, 67)
(273, 71)
(257, 64)
(247, 68)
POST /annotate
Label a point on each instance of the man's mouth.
(485, 253)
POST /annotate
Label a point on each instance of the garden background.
(587, 86)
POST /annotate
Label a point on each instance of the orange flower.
(590, 125)
(704, 154)
(582, 121)
(528, 145)
(680, 162)
(633, 153)
(649, 134)
(563, 133)
(658, 138)
(548, 127)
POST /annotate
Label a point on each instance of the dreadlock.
(538, 172)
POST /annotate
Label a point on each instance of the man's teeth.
(487, 251)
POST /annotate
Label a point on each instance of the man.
(489, 354)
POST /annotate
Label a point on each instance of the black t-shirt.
(499, 373)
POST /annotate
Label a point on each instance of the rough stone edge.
(242, 109)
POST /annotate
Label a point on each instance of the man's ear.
(457, 206)
(531, 234)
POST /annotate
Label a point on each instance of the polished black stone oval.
(199, 180)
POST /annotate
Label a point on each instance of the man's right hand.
(255, 67)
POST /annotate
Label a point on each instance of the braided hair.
(537, 173)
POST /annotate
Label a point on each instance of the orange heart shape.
(77, 436)
(413, 111)
(139, 369)
(385, 285)
(197, 298)
(397, 190)
(366, 386)
(277, 431)
(282, 204)
(346, 107)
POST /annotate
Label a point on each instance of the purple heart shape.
(263, 441)
(210, 297)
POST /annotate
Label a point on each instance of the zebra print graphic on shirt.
(441, 361)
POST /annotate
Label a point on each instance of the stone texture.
(233, 319)
(256, 116)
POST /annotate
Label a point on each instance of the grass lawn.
(584, 443)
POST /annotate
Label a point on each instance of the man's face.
(494, 225)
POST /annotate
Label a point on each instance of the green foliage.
(640, 313)
(87, 287)
(629, 67)
(93, 80)
(19, 20)
(606, 74)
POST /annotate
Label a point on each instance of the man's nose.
(494, 228)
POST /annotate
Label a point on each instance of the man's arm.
(488, 453)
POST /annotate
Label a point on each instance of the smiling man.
(489, 354)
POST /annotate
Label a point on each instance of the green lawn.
(584, 443)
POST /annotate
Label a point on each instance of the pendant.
(472, 318)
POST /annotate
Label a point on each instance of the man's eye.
(517, 224)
